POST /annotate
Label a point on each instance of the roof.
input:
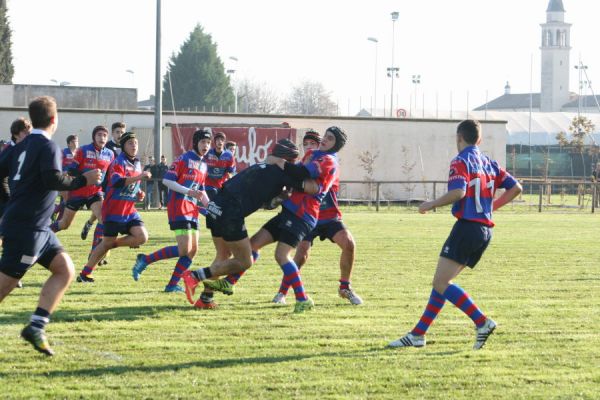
(555, 6)
(586, 101)
(511, 101)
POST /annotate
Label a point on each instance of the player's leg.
(344, 239)
(187, 240)
(137, 236)
(107, 243)
(300, 258)
(66, 220)
(143, 260)
(291, 273)
(87, 226)
(96, 208)
(7, 284)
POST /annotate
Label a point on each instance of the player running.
(329, 226)
(68, 154)
(118, 211)
(471, 186)
(185, 180)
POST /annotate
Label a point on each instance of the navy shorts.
(77, 204)
(23, 248)
(286, 227)
(113, 229)
(225, 218)
(185, 225)
(467, 242)
(325, 231)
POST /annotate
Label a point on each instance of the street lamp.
(581, 68)
(235, 92)
(129, 71)
(374, 107)
(393, 70)
(416, 79)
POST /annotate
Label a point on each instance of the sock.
(457, 296)
(182, 265)
(39, 318)
(434, 306)
(98, 236)
(344, 284)
(54, 227)
(292, 275)
(87, 270)
(202, 274)
(233, 278)
(162, 254)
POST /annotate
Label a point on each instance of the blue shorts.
(77, 204)
(112, 229)
(325, 231)
(286, 227)
(225, 218)
(23, 248)
(185, 225)
(467, 242)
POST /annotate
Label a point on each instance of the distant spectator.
(231, 146)
(151, 167)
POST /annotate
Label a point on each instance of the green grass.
(121, 339)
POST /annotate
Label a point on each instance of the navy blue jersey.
(257, 185)
(31, 204)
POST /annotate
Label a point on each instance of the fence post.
(377, 197)
(434, 194)
(594, 196)
(541, 198)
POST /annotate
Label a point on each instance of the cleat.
(19, 285)
(302, 306)
(139, 267)
(221, 285)
(85, 278)
(409, 340)
(279, 299)
(174, 289)
(190, 285)
(86, 230)
(351, 296)
(483, 333)
(37, 337)
(206, 305)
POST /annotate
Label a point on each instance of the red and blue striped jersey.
(219, 166)
(188, 170)
(87, 158)
(329, 209)
(67, 159)
(323, 168)
(479, 177)
(119, 204)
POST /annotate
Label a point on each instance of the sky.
(464, 50)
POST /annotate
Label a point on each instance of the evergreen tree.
(6, 68)
(197, 77)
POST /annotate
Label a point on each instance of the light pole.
(581, 69)
(374, 40)
(129, 71)
(393, 70)
(235, 92)
(416, 79)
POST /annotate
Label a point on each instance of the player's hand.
(146, 175)
(426, 206)
(141, 195)
(93, 177)
(196, 194)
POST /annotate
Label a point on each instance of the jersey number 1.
(20, 160)
(477, 183)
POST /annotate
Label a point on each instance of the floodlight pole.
(158, 89)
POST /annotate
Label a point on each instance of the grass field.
(121, 339)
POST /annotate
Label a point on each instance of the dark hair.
(19, 125)
(286, 149)
(42, 111)
(230, 143)
(98, 129)
(220, 135)
(70, 138)
(469, 130)
(118, 125)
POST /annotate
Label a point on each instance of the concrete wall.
(405, 149)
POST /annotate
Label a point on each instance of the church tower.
(556, 38)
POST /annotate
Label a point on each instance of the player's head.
(100, 136)
(286, 149)
(311, 140)
(201, 141)
(333, 140)
(73, 141)
(231, 146)
(43, 114)
(129, 144)
(220, 140)
(469, 131)
(117, 129)
(19, 129)
(163, 159)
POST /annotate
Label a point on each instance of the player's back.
(31, 204)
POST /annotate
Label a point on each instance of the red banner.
(253, 144)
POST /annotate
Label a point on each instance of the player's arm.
(54, 179)
(458, 180)
(513, 188)
(449, 198)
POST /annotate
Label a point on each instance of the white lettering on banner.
(254, 153)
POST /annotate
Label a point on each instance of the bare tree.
(580, 127)
(367, 161)
(257, 97)
(310, 98)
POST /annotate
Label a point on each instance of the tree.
(579, 128)
(197, 76)
(310, 98)
(256, 98)
(6, 68)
